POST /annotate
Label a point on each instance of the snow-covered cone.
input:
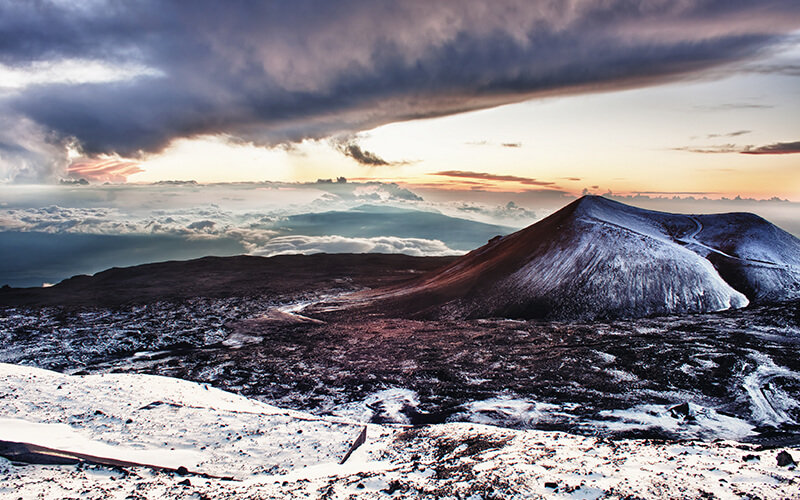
(597, 258)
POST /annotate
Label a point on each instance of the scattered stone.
(784, 459)
(185, 482)
(681, 410)
(393, 486)
(748, 458)
(551, 485)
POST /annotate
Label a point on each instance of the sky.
(497, 113)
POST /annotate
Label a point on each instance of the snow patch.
(507, 412)
(605, 357)
(772, 405)
(219, 433)
(622, 375)
(700, 423)
(64, 437)
(387, 406)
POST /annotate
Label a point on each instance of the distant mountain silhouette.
(597, 258)
(369, 221)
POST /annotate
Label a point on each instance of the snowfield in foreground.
(269, 452)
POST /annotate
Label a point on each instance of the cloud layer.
(48, 233)
(37, 223)
(339, 244)
(269, 72)
(779, 148)
(484, 176)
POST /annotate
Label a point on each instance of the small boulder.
(185, 482)
(784, 459)
(182, 471)
(551, 485)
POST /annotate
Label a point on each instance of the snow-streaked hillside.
(275, 453)
(597, 258)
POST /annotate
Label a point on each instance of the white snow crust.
(702, 422)
(771, 404)
(387, 404)
(275, 453)
(645, 275)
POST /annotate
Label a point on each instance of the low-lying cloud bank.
(51, 233)
(270, 72)
(339, 244)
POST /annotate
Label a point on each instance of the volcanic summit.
(597, 258)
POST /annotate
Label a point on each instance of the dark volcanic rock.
(681, 410)
(597, 258)
(24, 453)
(493, 371)
(785, 459)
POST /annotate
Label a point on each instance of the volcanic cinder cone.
(597, 258)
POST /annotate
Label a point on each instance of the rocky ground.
(544, 403)
(737, 370)
(229, 446)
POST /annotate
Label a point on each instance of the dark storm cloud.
(363, 157)
(269, 72)
(493, 177)
(779, 148)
